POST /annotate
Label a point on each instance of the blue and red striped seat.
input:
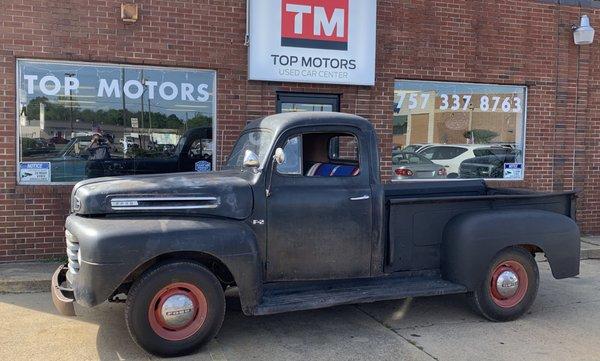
(332, 170)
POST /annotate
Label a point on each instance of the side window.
(436, 153)
(331, 155)
(321, 155)
(343, 147)
(482, 152)
(293, 157)
(201, 149)
(195, 149)
(428, 153)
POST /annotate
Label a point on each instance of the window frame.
(18, 82)
(301, 144)
(307, 98)
(300, 131)
(522, 150)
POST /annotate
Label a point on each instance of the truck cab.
(297, 219)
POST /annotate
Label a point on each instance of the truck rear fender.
(471, 240)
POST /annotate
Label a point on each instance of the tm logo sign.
(321, 24)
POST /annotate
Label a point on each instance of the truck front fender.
(112, 248)
(471, 240)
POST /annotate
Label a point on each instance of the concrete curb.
(590, 247)
(26, 277)
(36, 277)
(590, 253)
(25, 286)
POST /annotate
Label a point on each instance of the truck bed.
(417, 214)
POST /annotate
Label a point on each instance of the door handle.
(362, 198)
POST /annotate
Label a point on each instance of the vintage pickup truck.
(297, 220)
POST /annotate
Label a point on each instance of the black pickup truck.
(73, 162)
(297, 220)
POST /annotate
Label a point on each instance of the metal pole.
(150, 116)
(70, 103)
(123, 96)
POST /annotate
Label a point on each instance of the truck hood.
(221, 194)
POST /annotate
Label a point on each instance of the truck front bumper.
(62, 292)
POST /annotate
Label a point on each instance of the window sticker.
(513, 170)
(202, 166)
(34, 172)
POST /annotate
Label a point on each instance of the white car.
(452, 155)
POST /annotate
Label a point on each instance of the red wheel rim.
(523, 283)
(199, 308)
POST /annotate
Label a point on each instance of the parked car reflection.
(74, 161)
(489, 166)
(452, 155)
(407, 165)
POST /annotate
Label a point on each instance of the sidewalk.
(590, 247)
(35, 276)
(26, 277)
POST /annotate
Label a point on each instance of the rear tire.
(499, 297)
(175, 308)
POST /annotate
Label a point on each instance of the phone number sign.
(458, 102)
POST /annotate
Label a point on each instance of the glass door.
(306, 102)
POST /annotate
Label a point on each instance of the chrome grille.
(72, 252)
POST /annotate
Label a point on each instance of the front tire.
(509, 288)
(174, 309)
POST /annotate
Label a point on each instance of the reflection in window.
(259, 142)
(293, 158)
(472, 130)
(305, 107)
(90, 120)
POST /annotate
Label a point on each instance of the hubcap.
(177, 311)
(507, 284)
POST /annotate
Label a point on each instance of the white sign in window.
(313, 41)
(458, 130)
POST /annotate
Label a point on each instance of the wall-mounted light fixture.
(129, 13)
(584, 33)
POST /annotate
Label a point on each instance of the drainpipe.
(247, 36)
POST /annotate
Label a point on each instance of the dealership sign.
(313, 41)
(114, 88)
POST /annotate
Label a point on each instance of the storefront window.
(458, 130)
(84, 120)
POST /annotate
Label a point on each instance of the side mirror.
(251, 159)
(279, 156)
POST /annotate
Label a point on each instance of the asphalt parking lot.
(564, 324)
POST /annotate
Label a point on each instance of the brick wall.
(504, 42)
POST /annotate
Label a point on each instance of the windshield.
(179, 148)
(257, 141)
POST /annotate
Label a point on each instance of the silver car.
(407, 165)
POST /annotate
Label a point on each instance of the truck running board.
(296, 296)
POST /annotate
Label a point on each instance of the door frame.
(271, 274)
(308, 98)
